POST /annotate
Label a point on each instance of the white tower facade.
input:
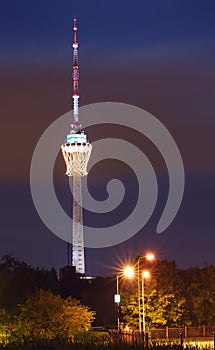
(76, 152)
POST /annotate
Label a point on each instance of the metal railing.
(187, 332)
(176, 335)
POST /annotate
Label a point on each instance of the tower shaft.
(77, 230)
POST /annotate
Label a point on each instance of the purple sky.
(155, 55)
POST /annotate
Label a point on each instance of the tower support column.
(77, 231)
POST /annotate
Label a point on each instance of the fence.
(177, 335)
(186, 332)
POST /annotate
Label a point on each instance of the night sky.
(157, 55)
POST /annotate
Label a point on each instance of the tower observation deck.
(76, 153)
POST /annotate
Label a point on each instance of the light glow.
(128, 271)
(150, 256)
(146, 274)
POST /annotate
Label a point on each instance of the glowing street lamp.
(149, 257)
(145, 274)
(128, 271)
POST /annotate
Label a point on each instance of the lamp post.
(148, 257)
(138, 283)
(117, 299)
(128, 272)
(145, 274)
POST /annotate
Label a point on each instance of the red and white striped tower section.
(76, 152)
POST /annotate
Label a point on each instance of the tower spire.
(75, 76)
(75, 30)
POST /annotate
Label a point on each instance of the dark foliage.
(18, 282)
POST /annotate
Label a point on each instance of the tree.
(19, 280)
(163, 300)
(129, 310)
(46, 316)
(161, 309)
(199, 291)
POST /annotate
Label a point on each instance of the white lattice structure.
(76, 157)
(76, 153)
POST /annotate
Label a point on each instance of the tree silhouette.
(46, 316)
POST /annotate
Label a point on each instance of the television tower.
(76, 152)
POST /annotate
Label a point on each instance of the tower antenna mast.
(75, 75)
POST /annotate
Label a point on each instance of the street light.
(128, 272)
(145, 274)
(117, 299)
(149, 257)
